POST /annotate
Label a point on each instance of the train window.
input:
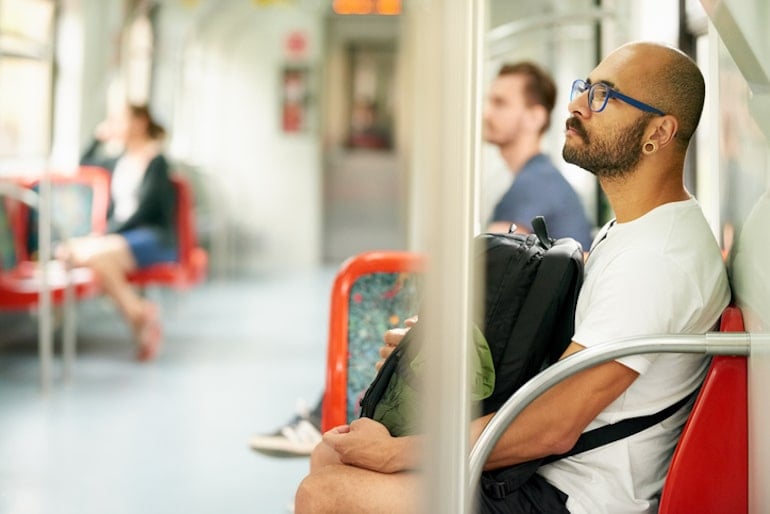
(138, 47)
(26, 77)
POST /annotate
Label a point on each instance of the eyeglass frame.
(611, 93)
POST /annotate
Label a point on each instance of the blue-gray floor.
(170, 436)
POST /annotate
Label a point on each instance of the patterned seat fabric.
(378, 302)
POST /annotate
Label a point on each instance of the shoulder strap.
(377, 387)
(500, 483)
(620, 430)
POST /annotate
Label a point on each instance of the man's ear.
(536, 118)
(662, 130)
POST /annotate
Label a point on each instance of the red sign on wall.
(295, 45)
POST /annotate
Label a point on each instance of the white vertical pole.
(45, 308)
(69, 327)
(446, 41)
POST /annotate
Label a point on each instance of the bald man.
(655, 269)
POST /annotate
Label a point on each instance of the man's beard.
(605, 157)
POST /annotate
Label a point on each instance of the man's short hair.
(539, 87)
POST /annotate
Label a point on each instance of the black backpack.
(531, 289)
(530, 285)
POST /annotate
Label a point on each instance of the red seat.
(21, 286)
(79, 206)
(81, 202)
(709, 469)
(365, 299)
(20, 279)
(192, 264)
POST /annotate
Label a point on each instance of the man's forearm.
(551, 424)
(403, 454)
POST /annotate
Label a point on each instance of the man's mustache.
(576, 125)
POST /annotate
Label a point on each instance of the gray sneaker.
(295, 439)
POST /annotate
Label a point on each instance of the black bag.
(531, 285)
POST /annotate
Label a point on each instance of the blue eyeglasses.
(600, 93)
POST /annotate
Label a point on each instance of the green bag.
(392, 399)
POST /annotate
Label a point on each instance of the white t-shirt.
(659, 274)
(124, 187)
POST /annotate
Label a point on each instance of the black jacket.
(156, 202)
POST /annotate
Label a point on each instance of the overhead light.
(382, 7)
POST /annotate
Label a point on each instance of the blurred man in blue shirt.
(516, 115)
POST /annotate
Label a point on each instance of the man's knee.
(315, 495)
(322, 456)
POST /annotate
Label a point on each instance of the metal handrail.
(45, 324)
(32, 199)
(502, 38)
(20, 193)
(713, 343)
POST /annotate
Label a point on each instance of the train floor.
(169, 436)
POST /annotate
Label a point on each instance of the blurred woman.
(140, 220)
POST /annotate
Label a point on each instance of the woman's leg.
(110, 258)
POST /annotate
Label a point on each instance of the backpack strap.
(500, 483)
(379, 385)
(620, 430)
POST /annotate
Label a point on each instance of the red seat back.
(356, 314)
(185, 219)
(20, 284)
(99, 180)
(709, 469)
(192, 262)
(79, 201)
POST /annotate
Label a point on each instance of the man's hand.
(391, 338)
(367, 444)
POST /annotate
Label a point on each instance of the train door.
(363, 201)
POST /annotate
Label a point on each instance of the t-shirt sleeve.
(642, 293)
